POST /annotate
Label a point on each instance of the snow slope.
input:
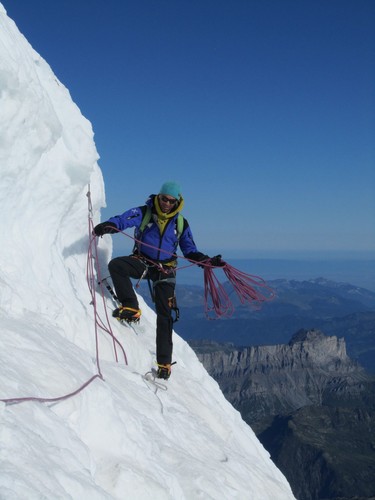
(117, 438)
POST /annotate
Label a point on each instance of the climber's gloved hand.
(105, 228)
(216, 261)
(203, 260)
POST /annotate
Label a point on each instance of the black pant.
(121, 270)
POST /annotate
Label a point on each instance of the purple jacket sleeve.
(188, 246)
(131, 218)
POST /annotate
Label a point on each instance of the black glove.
(204, 259)
(105, 228)
(216, 261)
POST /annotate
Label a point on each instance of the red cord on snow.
(92, 257)
(99, 323)
(92, 260)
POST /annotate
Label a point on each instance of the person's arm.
(131, 218)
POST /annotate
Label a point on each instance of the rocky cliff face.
(311, 406)
(264, 381)
(307, 348)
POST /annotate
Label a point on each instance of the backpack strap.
(180, 225)
(146, 219)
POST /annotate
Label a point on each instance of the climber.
(159, 229)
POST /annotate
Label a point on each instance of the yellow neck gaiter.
(163, 218)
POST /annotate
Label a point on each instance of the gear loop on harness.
(165, 273)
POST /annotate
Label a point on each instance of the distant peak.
(306, 335)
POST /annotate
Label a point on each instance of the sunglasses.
(171, 201)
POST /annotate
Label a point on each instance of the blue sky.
(263, 110)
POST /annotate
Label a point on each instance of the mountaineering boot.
(128, 314)
(163, 371)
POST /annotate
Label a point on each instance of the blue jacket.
(160, 233)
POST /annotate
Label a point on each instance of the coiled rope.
(249, 288)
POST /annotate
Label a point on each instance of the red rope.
(216, 300)
(99, 323)
(249, 288)
(92, 257)
(51, 400)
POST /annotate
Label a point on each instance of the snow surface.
(117, 438)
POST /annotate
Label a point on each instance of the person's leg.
(121, 270)
(164, 294)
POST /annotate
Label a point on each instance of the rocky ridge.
(264, 381)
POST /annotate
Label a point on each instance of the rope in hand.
(217, 303)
